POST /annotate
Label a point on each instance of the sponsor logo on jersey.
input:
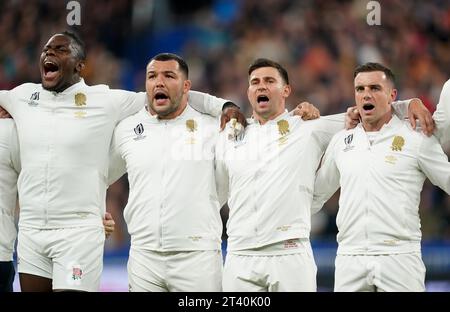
(348, 141)
(33, 99)
(139, 130)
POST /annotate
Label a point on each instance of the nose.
(261, 87)
(49, 51)
(367, 94)
(159, 81)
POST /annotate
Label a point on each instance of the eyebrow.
(264, 78)
(164, 72)
(370, 85)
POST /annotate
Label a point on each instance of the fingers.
(108, 224)
(4, 113)
(351, 118)
(223, 121)
(427, 124)
(229, 113)
(417, 110)
(412, 120)
(307, 111)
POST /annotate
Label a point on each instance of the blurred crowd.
(320, 42)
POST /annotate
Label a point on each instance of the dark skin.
(59, 64)
(60, 68)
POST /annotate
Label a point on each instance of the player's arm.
(327, 127)
(117, 165)
(5, 104)
(221, 171)
(214, 106)
(306, 111)
(14, 151)
(413, 109)
(327, 179)
(442, 115)
(434, 163)
(128, 103)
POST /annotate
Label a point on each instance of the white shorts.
(71, 257)
(273, 273)
(185, 271)
(399, 272)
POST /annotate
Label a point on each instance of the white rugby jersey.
(9, 169)
(380, 186)
(271, 176)
(442, 115)
(64, 147)
(173, 203)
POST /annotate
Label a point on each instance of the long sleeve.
(327, 179)
(442, 115)
(401, 108)
(434, 163)
(221, 172)
(329, 126)
(117, 165)
(129, 102)
(5, 101)
(206, 103)
(15, 152)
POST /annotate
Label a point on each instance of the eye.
(375, 88)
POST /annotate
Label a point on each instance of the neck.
(263, 119)
(377, 124)
(170, 115)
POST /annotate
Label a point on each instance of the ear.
(186, 86)
(79, 66)
(286, 90)
(393, 94)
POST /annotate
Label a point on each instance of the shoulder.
(130, 121)
(26, 87)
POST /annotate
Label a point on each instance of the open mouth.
(51, 70)
(160, 97)
(368, 107)
(262, 99)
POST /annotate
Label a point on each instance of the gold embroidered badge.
(283, 129)
(80, 99)
(397, 143)
(191, 125)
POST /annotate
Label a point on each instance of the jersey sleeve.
(327, 178)
(15, 153)
(400, 108)
(442, 115)
(206, 103)
(328, 127)
(434, 163)
(221, 171)
(128, 102)
(117, 165)
(5, 101)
